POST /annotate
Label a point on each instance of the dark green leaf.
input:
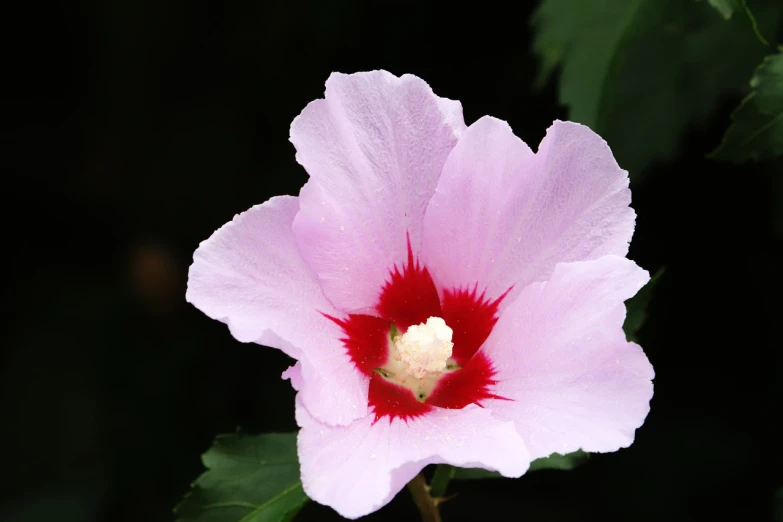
(727, 8)
(558, 461)
(475, 473)
(554, 461)
(636, 307)
(584, 38)
(639, 72)
(756, 131)
(249, 478)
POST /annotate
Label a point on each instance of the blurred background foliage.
(139, 127)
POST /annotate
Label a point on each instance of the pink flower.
(449, 295)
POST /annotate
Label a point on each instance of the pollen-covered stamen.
(425, 348)
(419, 358)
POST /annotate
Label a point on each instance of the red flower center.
(409, 298)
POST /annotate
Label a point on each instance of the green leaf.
(640, 72)
(554, 461)
(636, 307)
(585, 39)
(727, 8)
(475, 473)
(558, 461)
(756, 131)
(249, 478)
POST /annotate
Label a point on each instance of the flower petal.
(374, 149)
(294, 374)
(560, 355)
(358, 469)
(502, 216)
(249, 275)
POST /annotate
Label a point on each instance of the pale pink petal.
(502, 216)
(357, 469)
(562, 358)
(249, 275)
(294, 374)
(374, 149)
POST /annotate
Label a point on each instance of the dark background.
(139, 127)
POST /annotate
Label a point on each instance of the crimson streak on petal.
(391, 400)
(471, 316)
(366, 341)
(409, 296)
(468, 385)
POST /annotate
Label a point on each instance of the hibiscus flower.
(449, 295)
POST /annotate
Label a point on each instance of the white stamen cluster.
(425, 348)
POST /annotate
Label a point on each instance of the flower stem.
(428, 506)
(440, 480)
(428, 498)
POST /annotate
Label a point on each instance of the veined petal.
(249, 275)
(374, 149)
(358, 469)
(561, 358)
(503, 217)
